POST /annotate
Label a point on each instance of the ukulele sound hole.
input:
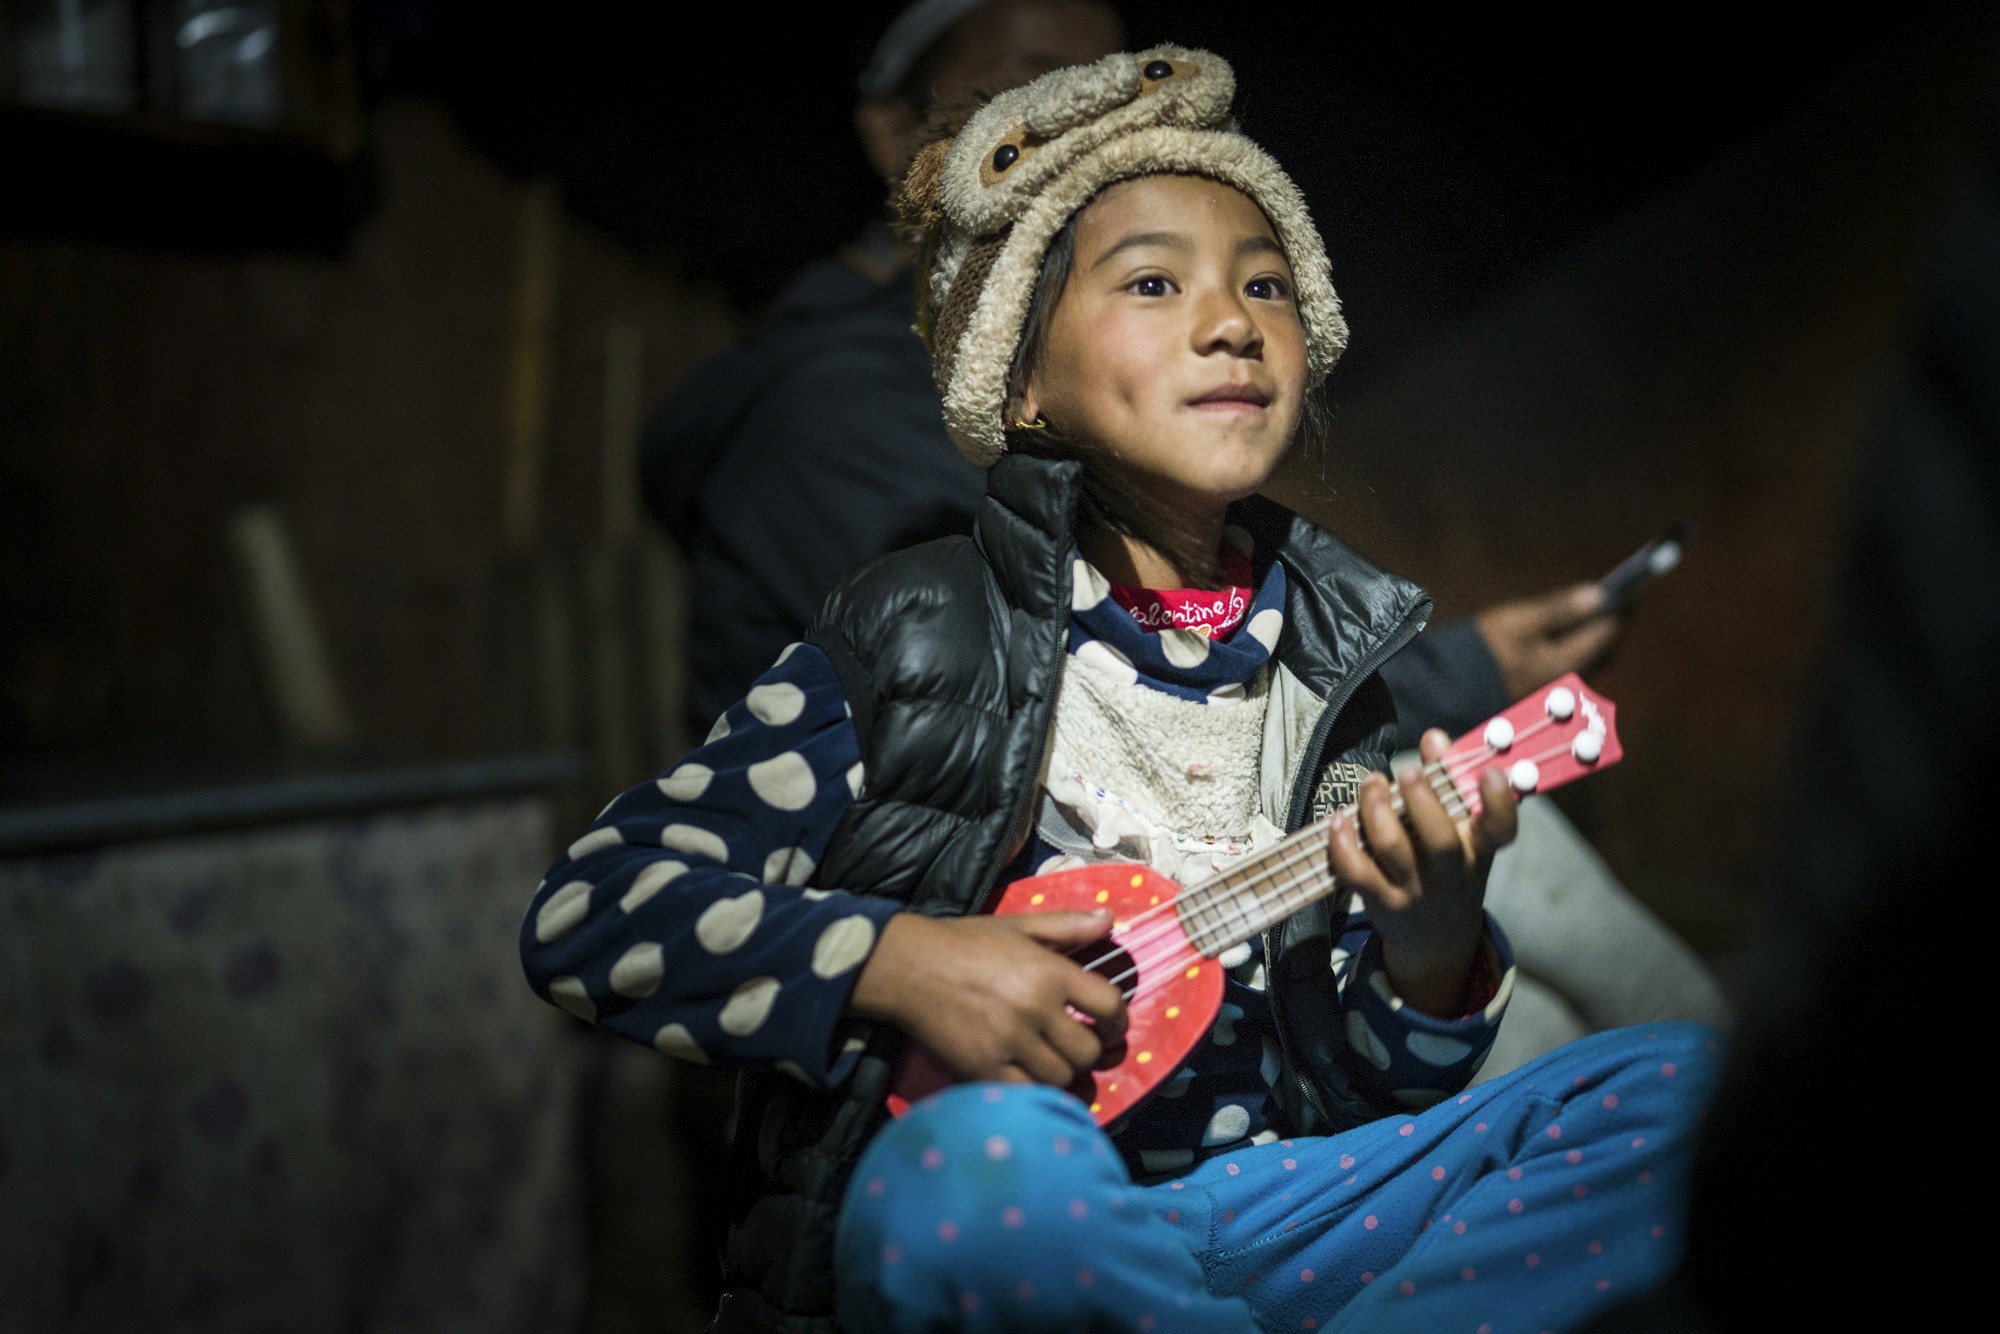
(1110, 961)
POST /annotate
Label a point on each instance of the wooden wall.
(376, 398)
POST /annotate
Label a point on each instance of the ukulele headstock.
(1555, 736)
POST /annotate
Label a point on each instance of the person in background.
(788, 464)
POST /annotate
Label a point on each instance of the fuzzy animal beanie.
(986, 203)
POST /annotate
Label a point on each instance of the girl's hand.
(991, 995)
(1425, 885)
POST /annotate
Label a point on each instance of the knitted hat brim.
(975, 396)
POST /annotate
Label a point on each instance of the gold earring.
(1040, 423)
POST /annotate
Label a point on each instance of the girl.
(1134, 658)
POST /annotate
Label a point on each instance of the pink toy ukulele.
(1165, 939)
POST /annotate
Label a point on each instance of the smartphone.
(1630, 576)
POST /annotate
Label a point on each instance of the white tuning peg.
(1499, 734)
(1587, 747)
(1524, 775)
(1560, 704)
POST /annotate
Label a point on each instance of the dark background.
(1440, 156)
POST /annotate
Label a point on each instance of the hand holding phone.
(1630, 576)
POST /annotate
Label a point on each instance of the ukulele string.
(1269, 868)
(1219, 898)
(1186, 943)
(1281, 892)
(1447, 768)
(1449, 794)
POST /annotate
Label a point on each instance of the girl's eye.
(1155, 286)
(1266, 289)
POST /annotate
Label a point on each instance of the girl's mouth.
(1233, 398)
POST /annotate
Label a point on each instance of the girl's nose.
(1225, 324)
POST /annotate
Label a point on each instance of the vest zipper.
(1022, 822)
(1387, 649)
(1407, 629)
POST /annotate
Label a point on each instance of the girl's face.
(1176, 343)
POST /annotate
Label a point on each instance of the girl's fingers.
(1350, 863)
(1434, 827)
(1060, 930)
(1098, 998)
(1044, 1062)
(1433, 744)
(1387, 843)
(1074, 1042)
(1500, 820)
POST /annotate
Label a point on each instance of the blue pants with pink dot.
(1525, 1204)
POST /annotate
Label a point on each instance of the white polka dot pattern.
(703, 944)
(595, 841)
(1173, 658)
(1184, 648)
(675, 1040)
(784, 782)
(562, 911)
(687, 783)
(1271, 1064)
(788, 866)
(1433, 1049)
(749, 1006)
(1101, 657)
(657, 876)
(842, 946)
(1229, 1123)
(1378, 982)
(1497, 1007)
(638, 971)
(777, 704)
(719, 731)
(1087, 586)
(1363, 1039)
(572, 995)
(725, 924)
(1266, 627)
(695, 841)
(1422, 1057)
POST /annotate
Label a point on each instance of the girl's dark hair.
(1110, 500)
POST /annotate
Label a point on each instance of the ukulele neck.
(1249, 898)
(1555, 736)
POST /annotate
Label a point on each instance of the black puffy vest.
(951, 656)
